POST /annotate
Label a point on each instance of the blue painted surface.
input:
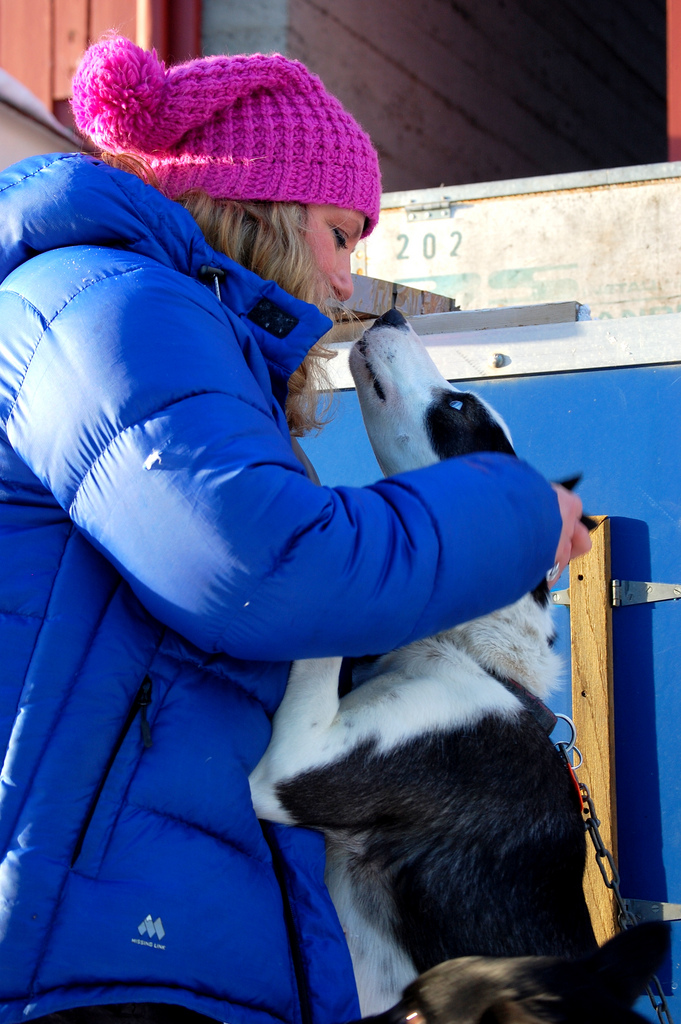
(622, 429)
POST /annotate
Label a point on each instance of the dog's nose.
(391, 318)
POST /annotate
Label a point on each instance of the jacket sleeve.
(140, 413)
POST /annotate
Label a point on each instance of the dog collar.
(543, 715)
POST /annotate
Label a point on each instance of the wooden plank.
(26, 44)
(432, 303)
(119, 16)
(593, 709)
(371, 297)
(416, 302)
(152, 26)
(674, 79)
(70, 41)
(184, 30)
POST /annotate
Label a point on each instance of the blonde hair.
(269, 239)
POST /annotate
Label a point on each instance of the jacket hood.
(60, 200)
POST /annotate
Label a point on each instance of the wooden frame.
(593, 709)
(42, 41)
(674, 79)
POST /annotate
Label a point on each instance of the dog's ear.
(527, 990)
(605, 984)
(570, 485)
(625, 964)
(571, 482)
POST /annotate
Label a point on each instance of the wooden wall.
(41, 41)
(674, 79)
(244, 26)
(451, 91)
(456, 91)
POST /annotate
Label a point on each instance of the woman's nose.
(341, 283)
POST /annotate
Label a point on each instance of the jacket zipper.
(294, 942)
(141, 703)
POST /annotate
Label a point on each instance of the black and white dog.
(453, 827)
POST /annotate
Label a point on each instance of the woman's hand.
(574, 537)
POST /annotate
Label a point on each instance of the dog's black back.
(477, 836)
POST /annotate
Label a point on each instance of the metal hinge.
(653, 910)
(429, 211)
(628, 592)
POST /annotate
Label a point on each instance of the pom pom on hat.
(117, 91)
(248, 127)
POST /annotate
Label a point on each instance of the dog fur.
(452, 825)
(537, 990)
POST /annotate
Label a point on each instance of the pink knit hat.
(251, 127)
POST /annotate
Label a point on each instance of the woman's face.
(332, 234)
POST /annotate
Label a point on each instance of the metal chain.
(611, 877)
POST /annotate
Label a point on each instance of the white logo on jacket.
(153, 929)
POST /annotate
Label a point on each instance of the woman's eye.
(341, 240)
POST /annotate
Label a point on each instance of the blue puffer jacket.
(162, 558)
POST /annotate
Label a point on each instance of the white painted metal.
(604, 238)
(544, 348)
(455, 322)
(539, 183)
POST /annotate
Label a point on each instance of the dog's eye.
(456, 405)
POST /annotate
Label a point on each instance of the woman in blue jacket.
(164, 554)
